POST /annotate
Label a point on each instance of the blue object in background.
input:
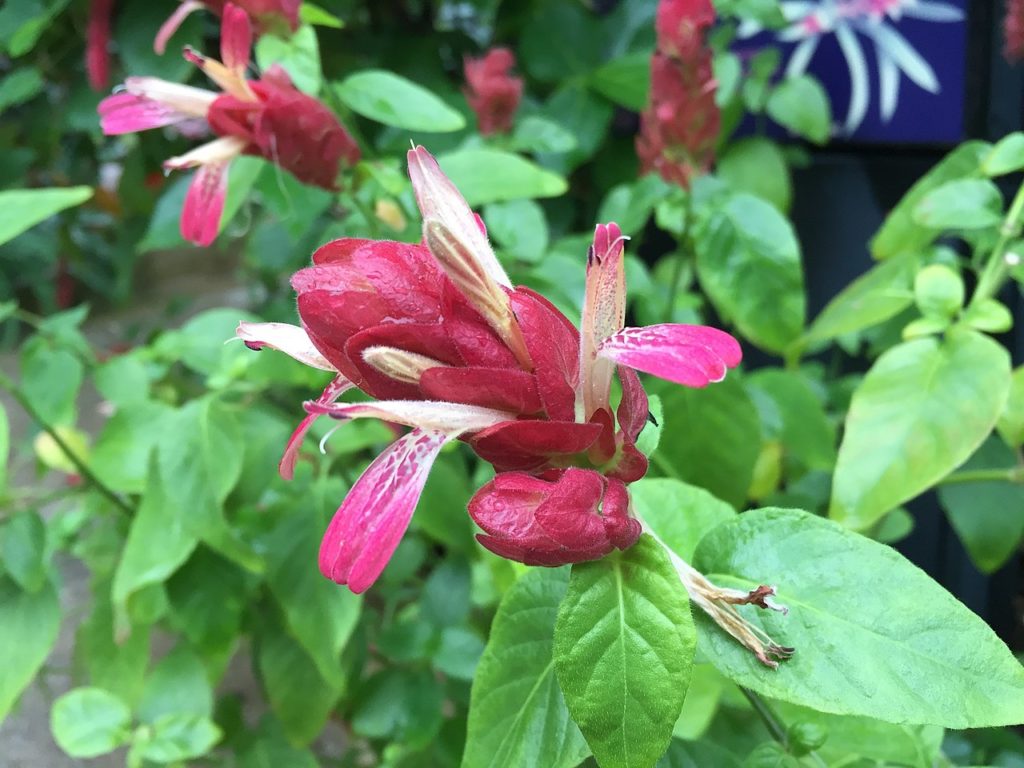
(894, 70)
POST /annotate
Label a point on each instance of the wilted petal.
(371, 520)
(338, 386)
(235, 38)
(691, 355)
(290, 339)
(204, 203)
(439, 200)
(169, 27)
(452, 419)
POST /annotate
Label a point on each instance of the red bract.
(493, 94)
(267, 117)
(439, 336)
(1013, 30)
(679, 128)
(97, 44)
(267, 15)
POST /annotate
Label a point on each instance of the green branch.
(83, 469)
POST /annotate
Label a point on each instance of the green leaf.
(445, 601)
(748, 262)
(178, 685)
(118, 666)
(624, 645)
(180, 737)
(400, 705)
(299, 55)
(677, 513)
(585, 116)
(159, 541)
(19, 86)
(5, 447)
(716, 438)
(120, 457)
(208, 596)
(1006, 156)
(87, 722)
(314, 14)
(561, 39)
(30, 623)
(882, 292)
(988, 516)
(756, 165)
(136, 24)
(200, 460)
(491, 175)
(459, 653)
(1011, 421)
(441, 512)
(318, 614)
(922, 409)
(806, 432)
(298, 694)
(631, 205)
(23, 550)
(536, 134)
(625, 80)
(519, 227)
(393, 100)
(517, 714)
(690, 754)
(801, 105)
(900, 233)
(960, 204)
(50, 378)
(874, 635)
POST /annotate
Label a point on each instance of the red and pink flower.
(267, 16)
(267, 117)
(492, 92)
(679, 128)
(446, 345)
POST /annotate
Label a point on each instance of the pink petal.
(169, 27)
(290, 339)
(373, 517)
(441, 201)
(338, 386)
(129, 113)
(691, 355)
(235, 37)
(204, 203)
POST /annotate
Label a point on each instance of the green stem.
(994, 274)
(83, 469)
(773, 724)
(1010, 475)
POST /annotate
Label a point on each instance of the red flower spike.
(268, 118)
(493, 94)
(97, 44)
(434, 332)
(1013, 31)
(679, 128)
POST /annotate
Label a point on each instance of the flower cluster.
(438, 336)
(679, 128)
(266, 15)
(493, 94)
(267, 117)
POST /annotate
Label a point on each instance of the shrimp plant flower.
(267, 117)
(444, 343)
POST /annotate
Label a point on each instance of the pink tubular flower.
(267, 16)
(1013, 31)
(437, 334)
(493, 94)
(268, 118)
(97, 44)
(679, 128)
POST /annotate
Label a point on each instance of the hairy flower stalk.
(679, 128)
(720, 604)
(444, 344)
(267, 117)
